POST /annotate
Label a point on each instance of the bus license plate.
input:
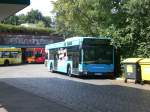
(98, 73)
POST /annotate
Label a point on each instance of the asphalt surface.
(31, 88)
(17, 100)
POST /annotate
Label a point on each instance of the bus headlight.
(85, 72)
(80, 69)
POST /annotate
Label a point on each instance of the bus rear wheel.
(6, 63)
(69, 71)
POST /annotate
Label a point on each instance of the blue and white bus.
(81, 56)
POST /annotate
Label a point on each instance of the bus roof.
(71, 42)
(81, 38)
(76, 38)
(10, 49)
(55, 45)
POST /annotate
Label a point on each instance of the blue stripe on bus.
(99, 68)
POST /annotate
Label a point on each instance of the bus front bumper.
(95, 73)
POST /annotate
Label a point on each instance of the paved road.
(64, 94)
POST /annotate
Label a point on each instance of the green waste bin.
(132, 69)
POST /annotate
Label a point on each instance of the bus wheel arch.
(6, 62)
(69, 70)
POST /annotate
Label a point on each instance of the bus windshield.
(98, 54)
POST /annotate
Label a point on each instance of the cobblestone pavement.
(76, 94)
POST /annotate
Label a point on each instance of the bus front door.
(55, 62)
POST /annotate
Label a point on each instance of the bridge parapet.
(28, 41)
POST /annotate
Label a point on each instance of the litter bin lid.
(131, 60)
(145, 61)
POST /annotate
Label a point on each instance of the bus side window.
(69, 56)
(11, 55)
(0, 54)
(14, 54)
(6, 54)
(55, 56)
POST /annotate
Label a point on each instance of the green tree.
(14, 20)
(22, 19)
(126, 21)
(87, 17)
(136, 34)
(33, 16)
(47, 21)
(36, 17)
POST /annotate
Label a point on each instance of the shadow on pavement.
(25, 64)
(90, 76)
(104, 77)
(13, 65)
(69, 95)
(17, 100)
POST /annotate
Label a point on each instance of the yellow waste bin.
(145, 69)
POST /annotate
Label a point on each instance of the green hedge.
(4, 28)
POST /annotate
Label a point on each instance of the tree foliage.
(135, 35)
(34, 17)
(126, 21)
(87, 17)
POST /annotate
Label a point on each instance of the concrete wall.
(27, 41)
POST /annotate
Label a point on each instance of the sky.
(44, 6)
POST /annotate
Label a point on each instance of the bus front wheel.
(69, 71)
(6, 63)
